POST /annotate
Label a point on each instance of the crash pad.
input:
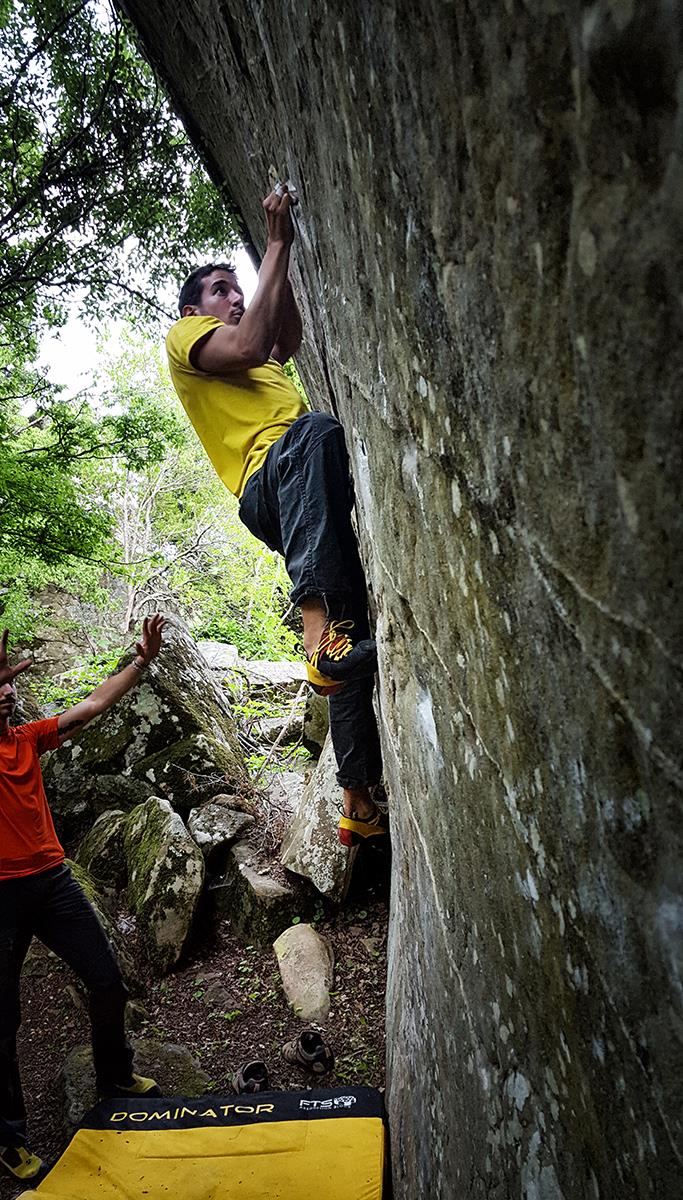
(283, 1145)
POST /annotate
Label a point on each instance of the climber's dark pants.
(52, 906)
(299, 503)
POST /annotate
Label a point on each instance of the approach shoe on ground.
(310, 1051)
(20, 1163)
(336, 659)
(141, 1086)
(251, 1077)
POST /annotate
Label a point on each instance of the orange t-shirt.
(28, 842)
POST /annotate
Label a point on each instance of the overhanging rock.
(489, 260)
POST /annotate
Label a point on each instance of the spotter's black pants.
(299, 503)
(53, 907)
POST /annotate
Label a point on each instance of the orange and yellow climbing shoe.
(353, 831)
(336, 659)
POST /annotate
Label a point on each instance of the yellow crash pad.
(281, 1145)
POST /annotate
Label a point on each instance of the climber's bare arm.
(251, 342)
(289, 337)
(73, 720)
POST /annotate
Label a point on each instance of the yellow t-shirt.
(238, 416)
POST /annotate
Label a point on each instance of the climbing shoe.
(336, 659)
(141, 1086)
(310, 1051)
(20, 1163)
(251, 1077)
(354, 830)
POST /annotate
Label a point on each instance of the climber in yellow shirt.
(289, 468)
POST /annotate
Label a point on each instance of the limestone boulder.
(215, 827)
(311, 846)
(285, 788)
(173, 1067)
(306, 963)
(101, 852)
(254, 903)
(173, 735)
(221, 656)
(165, 878)
(489, 261)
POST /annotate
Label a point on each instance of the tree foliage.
(102, 200)
(170, 536)
(101, 193)
(46, 511)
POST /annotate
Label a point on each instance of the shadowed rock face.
(489, 264)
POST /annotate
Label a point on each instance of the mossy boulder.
(172, 1066)
(165, 878)
(173, 734)
(256, 905)
(101, 851)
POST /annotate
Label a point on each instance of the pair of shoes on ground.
(353, 830)
(336, 660)
(309, 1050)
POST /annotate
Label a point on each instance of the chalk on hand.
(280, 189)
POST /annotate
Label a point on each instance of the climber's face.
(222, 297)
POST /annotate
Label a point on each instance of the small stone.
(216, 996)
(370, 944)
(306, 965)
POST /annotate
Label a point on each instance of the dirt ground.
(226, 1004)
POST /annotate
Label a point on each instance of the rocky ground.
(226, 1004)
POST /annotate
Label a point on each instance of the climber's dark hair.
(191, 291)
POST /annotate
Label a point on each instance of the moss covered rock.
(165, 878)
(173, 734)
(101, 851)
(172, 1066)
(257, 906)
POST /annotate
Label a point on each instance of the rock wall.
(489, 263)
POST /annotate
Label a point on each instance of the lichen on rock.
(173, 734)
(165, 879)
